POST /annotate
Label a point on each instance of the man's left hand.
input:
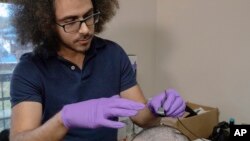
(171, 101)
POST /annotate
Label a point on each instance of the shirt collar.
(97, 42)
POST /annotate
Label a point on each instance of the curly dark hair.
(33, 21)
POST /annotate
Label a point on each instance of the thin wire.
(190, 130)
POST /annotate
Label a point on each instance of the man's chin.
(82, 49)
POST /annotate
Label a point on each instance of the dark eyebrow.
(90, 11)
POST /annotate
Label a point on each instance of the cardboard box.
(198, 126)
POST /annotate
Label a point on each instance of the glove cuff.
(64, 117)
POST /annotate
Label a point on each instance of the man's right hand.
(96, 112)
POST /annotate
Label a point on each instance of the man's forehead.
(72, 7)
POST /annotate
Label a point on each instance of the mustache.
(84, 37)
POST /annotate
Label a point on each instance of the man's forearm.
(52, 130)
(146, 119)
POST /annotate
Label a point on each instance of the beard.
(79, 45)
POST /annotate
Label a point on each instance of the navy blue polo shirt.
(55, 82)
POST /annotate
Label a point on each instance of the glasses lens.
(90, 20)
(72, 27)
(93, 19)
(75, 26)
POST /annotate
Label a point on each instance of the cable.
(190, 130)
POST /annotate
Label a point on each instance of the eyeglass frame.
(81, 21)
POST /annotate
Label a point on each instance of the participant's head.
(50, 24)
(160, 133)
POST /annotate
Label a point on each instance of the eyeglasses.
(73, 27)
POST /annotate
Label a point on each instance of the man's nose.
(84, 29)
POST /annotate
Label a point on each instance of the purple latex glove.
(171, 101)
(96, 112)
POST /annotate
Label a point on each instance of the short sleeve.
(128, 75)
(25, 83)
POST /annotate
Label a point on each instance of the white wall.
(203, 50)
(199, 47)
(134, 29)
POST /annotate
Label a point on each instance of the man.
(75, 85)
